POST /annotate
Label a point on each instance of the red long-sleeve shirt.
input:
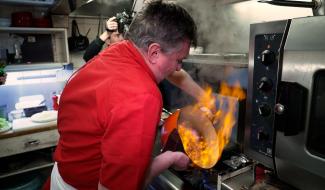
(107, 121)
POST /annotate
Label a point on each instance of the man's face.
(172, 61)
(116, 37)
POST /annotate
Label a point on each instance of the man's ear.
(154, 51)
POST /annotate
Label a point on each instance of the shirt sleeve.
(128, 141)
(93, 49)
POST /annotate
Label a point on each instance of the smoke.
(215, 22)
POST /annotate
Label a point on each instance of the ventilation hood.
(104, 8)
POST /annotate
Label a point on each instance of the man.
(180, 78)
(110, 109)
(109, 36)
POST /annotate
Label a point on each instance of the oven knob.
(264, 110)
(268, 57)
(265, 84)
(279, 109)
(262, 136)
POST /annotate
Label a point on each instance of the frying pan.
(76, 41)
(195, 120)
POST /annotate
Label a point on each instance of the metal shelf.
(37, 166)
(26, 162)
(32, 30)
(228, 59)
(58, 39)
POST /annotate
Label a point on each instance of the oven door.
(300, 106)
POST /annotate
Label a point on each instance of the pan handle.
(303, 4)
(166, 111)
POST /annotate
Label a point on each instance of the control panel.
(265, 79)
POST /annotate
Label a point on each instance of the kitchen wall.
(84, 24)
(223, 27)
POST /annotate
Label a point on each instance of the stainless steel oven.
(285, 111)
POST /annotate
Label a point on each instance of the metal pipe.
(304, 4)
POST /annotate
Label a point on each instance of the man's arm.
(96, 45)
(93, 49)
(184, 81)
(177, 160)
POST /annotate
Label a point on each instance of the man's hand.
(111, 24)
(177, 160)
(181, 161)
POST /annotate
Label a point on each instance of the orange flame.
(205, 151)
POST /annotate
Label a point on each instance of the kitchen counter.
(28, 138)
(169, 181)
(26, 131)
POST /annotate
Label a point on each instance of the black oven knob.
(264, 110)
(265, 84)
(268, 57)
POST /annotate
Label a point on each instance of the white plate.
(45, 116)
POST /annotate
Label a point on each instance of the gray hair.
(165, 23)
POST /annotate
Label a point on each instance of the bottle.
(18, 57)
(55, 100)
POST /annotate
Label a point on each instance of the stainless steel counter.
(169, 181)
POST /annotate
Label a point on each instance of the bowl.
(15, 114)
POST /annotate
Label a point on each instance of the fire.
(204, 142)
(197, 148)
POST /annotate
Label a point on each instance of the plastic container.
(42, 22)
(22, 19)
(5, 22)
(15, 114)
(31, 111)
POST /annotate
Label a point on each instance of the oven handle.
(290, 109)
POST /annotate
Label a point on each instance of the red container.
(21, 19)
(42, 22)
